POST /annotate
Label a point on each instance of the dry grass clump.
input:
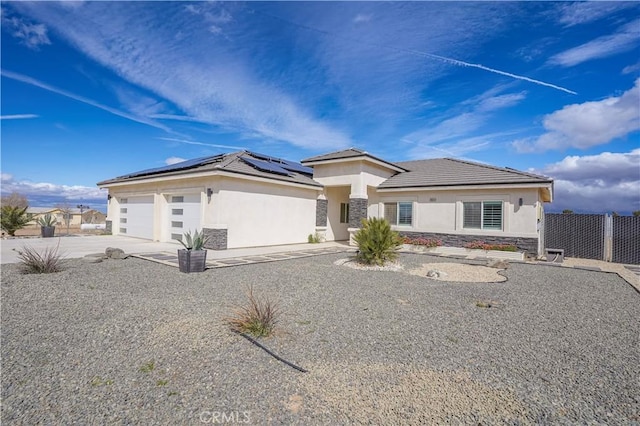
(257, 317)
(46, 262)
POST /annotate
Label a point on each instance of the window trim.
(483, 226)
(398, 212)
(344, 212)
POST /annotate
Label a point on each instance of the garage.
(136, 216)
(184, 215)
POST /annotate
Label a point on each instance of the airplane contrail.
(418, 53)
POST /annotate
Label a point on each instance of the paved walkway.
(281, 253)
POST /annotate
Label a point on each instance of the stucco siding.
(442, 211)
(261, 214)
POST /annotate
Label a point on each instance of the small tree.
(13, 218)
(567, 211)
(377, 243)
(14, 200)
(636, 213)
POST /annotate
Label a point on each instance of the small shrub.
(377, 243)
(313, 238)
(13, 218)
(148, 367)
(47, 262)
(426, 242)
(257, 317)
(481, 245)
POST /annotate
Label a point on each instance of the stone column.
(216, 237)
(357, 211)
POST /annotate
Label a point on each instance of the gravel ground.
(131, 341)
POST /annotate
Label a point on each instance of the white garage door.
(136, 216)
(184, 214)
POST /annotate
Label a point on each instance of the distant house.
(246, 199)
(88, 216)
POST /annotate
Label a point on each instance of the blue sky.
(94, 90)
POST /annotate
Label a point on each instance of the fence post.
(608, 237)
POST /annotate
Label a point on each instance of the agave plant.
(193, 242)
(47, 220)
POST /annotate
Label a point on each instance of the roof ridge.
(502, 169)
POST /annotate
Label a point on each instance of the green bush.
(377, 243)
(13, 218)
(314, 238)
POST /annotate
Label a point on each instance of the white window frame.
(483, 226)
(398, 204)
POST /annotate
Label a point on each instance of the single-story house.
(75, 216)
(245, 199)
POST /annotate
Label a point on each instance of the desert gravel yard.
(131, 341)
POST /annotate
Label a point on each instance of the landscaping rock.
(115, 253)
(436, 274)
(498, 263)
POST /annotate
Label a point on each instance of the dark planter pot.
(47, 231)
(192, 260)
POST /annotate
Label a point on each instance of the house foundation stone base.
(528, 245)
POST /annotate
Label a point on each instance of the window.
(177, 199)
(399, 213)
(177, 212)
(175, 224)
(344, 212)
(176, 237)
(123, 201)
(482, 215)
(123, 210)
(123, 230)
(123, 220)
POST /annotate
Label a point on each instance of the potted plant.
(47, 225)
(193, 257)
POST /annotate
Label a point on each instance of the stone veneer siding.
(108, 227)
(528, 245)
(321, 212)
(357, 211)
(216, 239)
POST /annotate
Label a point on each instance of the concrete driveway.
(75, 246)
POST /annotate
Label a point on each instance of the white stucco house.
(245, 199)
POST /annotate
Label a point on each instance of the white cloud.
(18, 116)
(626, 38)
(32, 81)
(588, 11)
(362, 18)
(174, 160)
(40, 189)
(588, 124)
(596, 183)
(31, 35)
(210, 81)
(459, 135)
(630, 69)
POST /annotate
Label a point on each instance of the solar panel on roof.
(178, 166)
(265, 166)
(292, 166)
(296, 167)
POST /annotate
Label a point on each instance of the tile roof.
(350, 153)
(453, 172)
(258, 165)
